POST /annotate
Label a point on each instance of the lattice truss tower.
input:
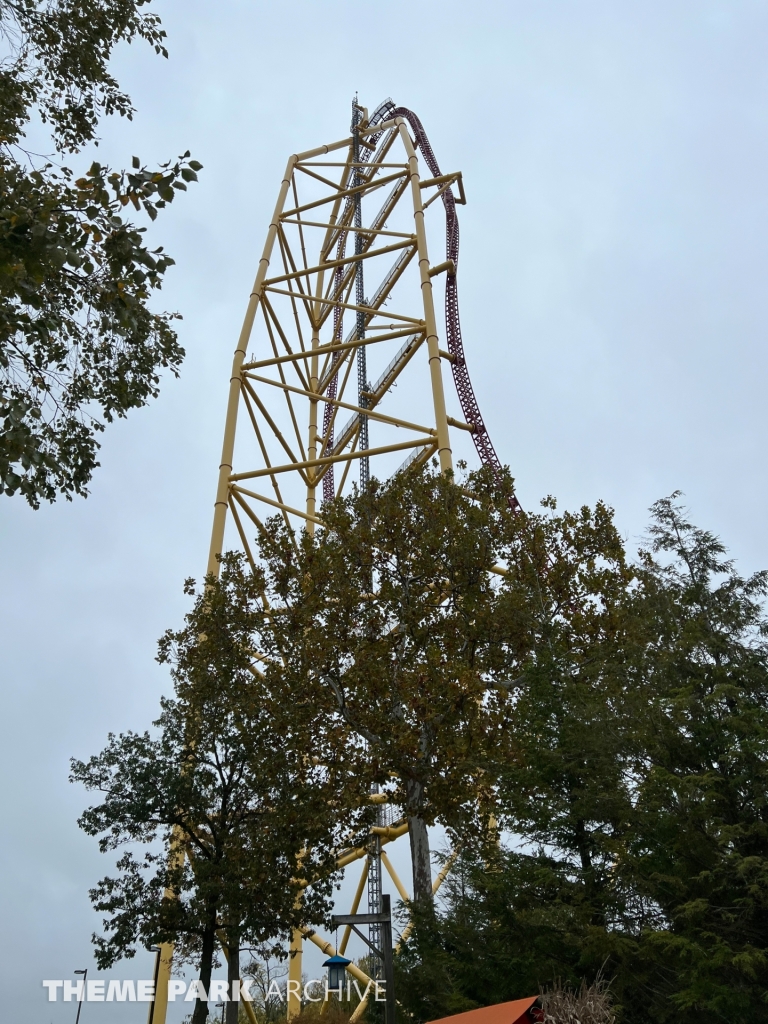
(338, 374)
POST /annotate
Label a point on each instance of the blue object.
(337, 968)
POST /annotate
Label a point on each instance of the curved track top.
(464, 389)
(387, 111)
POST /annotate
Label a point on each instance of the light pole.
(156, 950)
(222, 1005)
(80, 1001)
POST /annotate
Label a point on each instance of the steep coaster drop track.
(387, 110)
(464, 389)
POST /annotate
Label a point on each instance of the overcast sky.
(613, 297)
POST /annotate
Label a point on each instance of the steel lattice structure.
(338, 365)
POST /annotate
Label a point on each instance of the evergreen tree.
(516, 919)
(698, 856)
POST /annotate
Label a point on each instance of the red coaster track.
(469, 407)
(464, 389)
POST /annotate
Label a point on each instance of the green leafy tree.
(233, 800)
(513, 920)
(636, 789)
(385, 619)
(79, 344)
(573, 701)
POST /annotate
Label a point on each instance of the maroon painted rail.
(469, 406)
(464, 389)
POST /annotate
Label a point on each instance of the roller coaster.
(347, 240)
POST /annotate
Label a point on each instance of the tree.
(573, 702)
(236, 803)
(636, 791)
(385, 619)
(79, 344)
(516, 919)
(699, 853)
(266, 973)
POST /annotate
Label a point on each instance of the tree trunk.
(206, 966)
(421, 863)
(233, 976)
(592, 888)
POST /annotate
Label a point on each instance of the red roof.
(501, 1013)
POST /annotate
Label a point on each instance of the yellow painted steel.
(312, 278)
(360, 1008)
(438, 393)
(350, 856)
(230, 425)
(444, 872)
(157, 1009)
(354, 908)
(329, 950)
(294, 974)
(394, 876)
(297, 382)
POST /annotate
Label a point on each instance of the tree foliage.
(79, 343)
(229, 815)
(698, 855)
(387, 620)
(637, 795)
(488, 672)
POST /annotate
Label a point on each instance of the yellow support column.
(230, 426)
(433, 346)
(294, 974)
(313, 435)
(160, 1004)
(158, 1008)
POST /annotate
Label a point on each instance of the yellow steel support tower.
(344, 283)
